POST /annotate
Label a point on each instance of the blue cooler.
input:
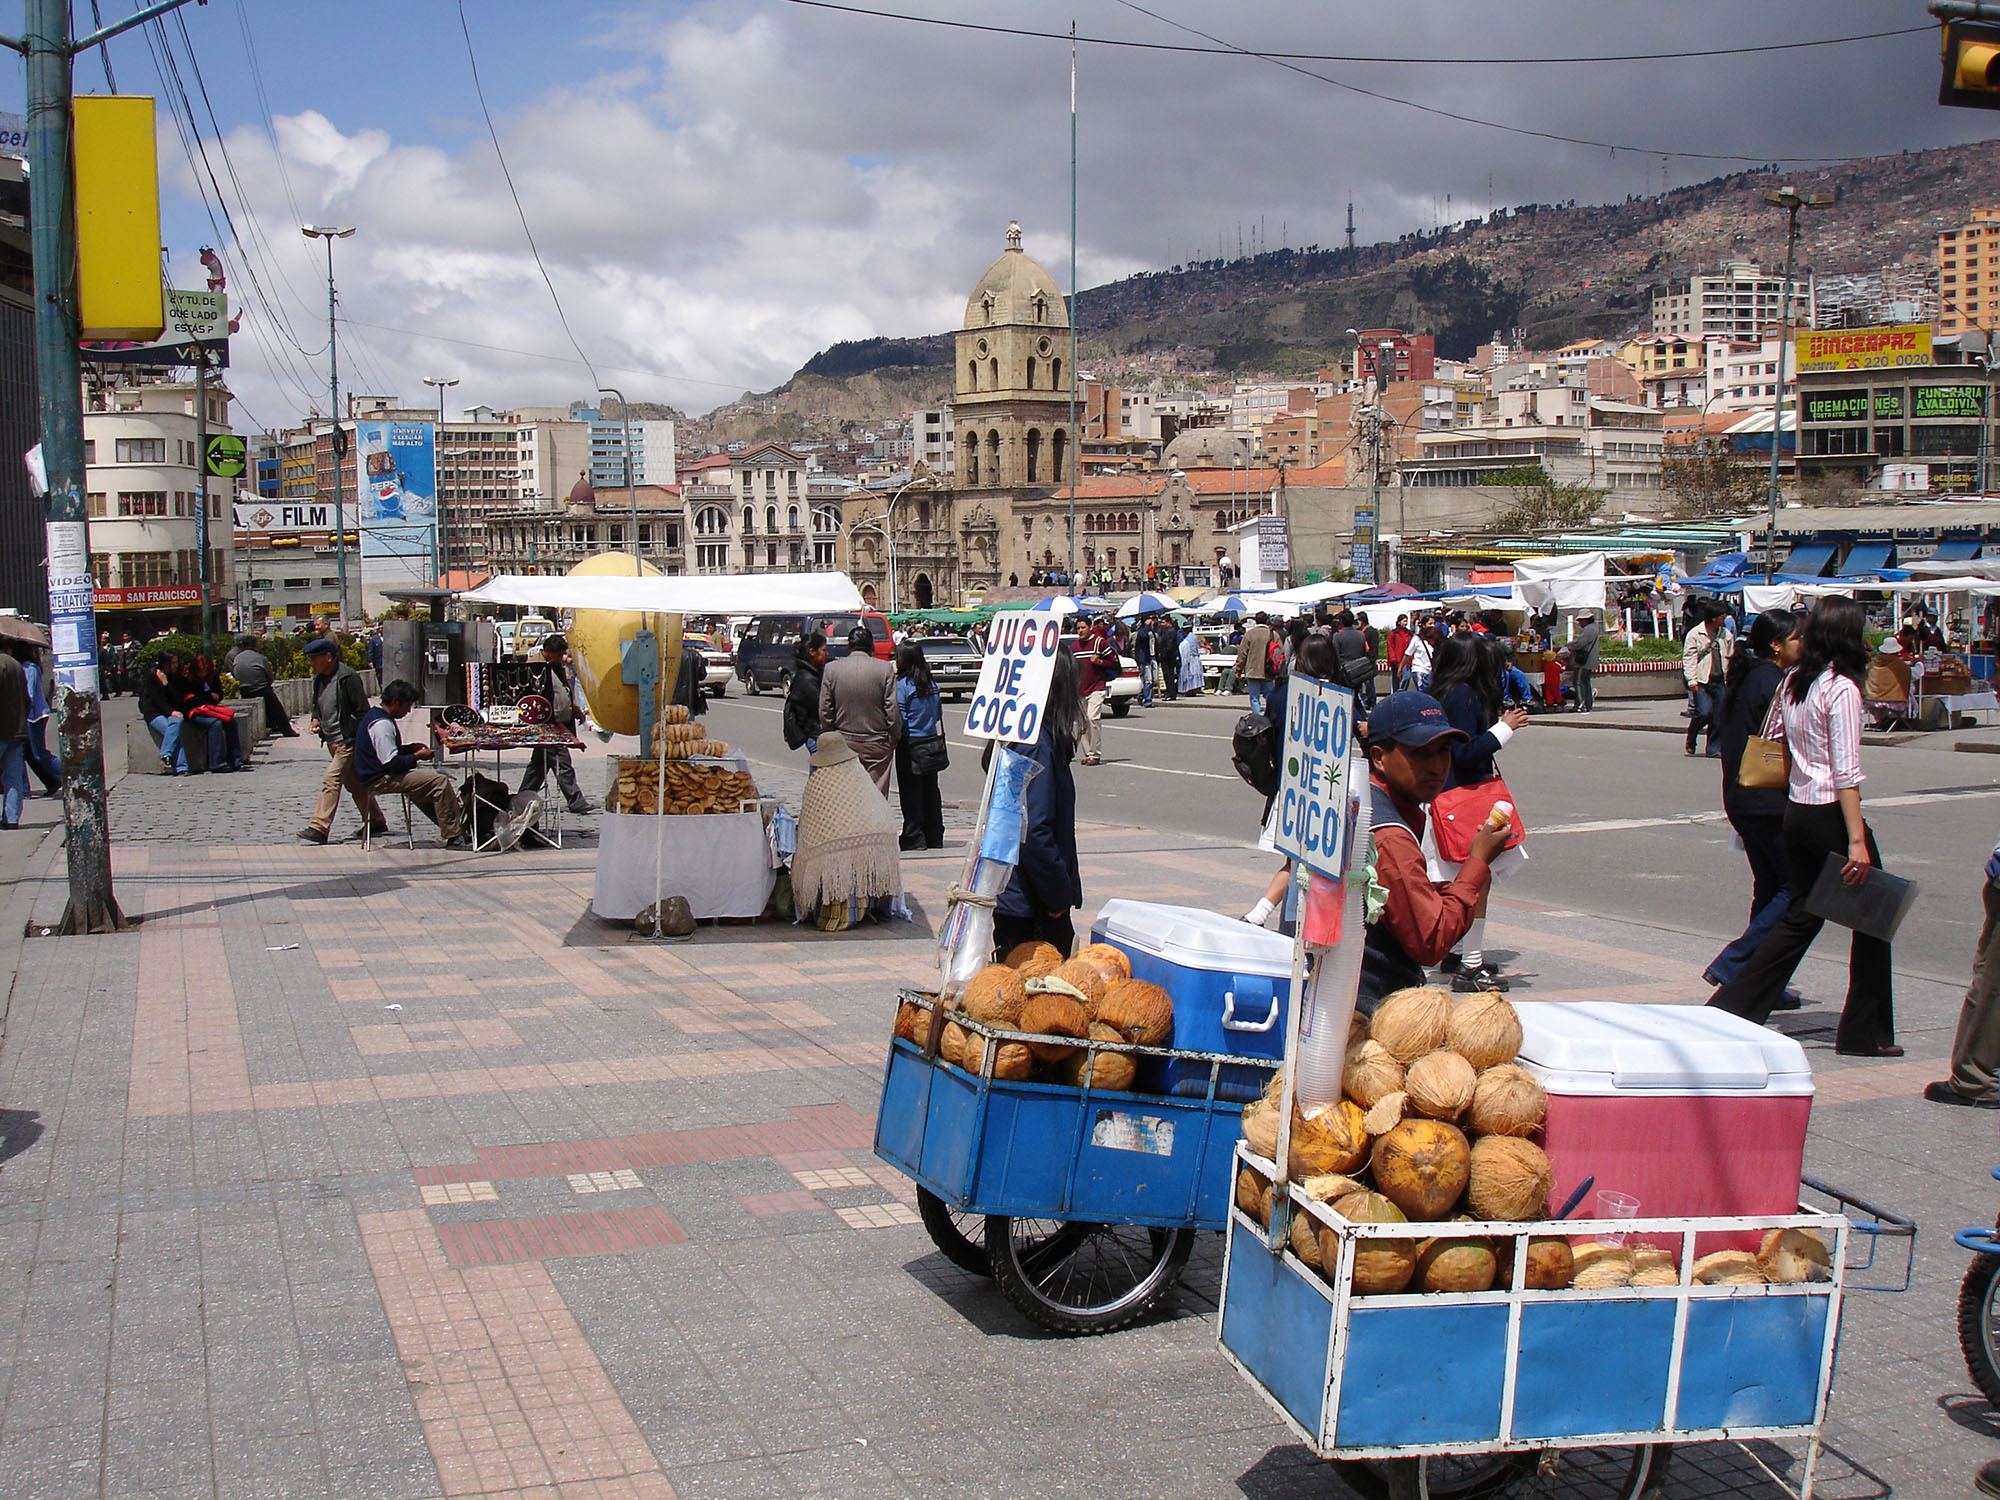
(1230, 984)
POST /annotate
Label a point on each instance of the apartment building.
(1968, 274)
(930, 440)
(1738, 301)
(553, 537)
(653, 459)
(1743, 373)
(1573, 436)
(762, 510)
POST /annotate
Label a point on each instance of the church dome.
(1015, 289)
(1207, 448)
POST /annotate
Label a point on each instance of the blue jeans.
(13, 779)
(1259, 690)
(1146, 683)
(168, 728)
(40, 760)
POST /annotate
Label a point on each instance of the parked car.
(719, 666)
(1217, 655)
(1124, 689)
(954, 663)
(764, 660)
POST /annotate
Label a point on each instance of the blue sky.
(720, 188)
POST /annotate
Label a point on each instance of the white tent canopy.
(732, 594)
(1290, 601)
(1572, 582)
(1758, 597)
(1963, 567)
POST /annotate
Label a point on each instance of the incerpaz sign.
(1889, 347)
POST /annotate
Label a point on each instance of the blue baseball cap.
(322, 644)
(1409, 719)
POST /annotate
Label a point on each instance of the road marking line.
(1673, 820)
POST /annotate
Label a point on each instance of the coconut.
(1440, 1084)
(1386, 1114)
(1253, 1195)
(1108, 1070)
(1329, 1186)
(1420, 1166)
(1108, 960)
(1371, 1075)
(1455, 1266)
(1655, 1275)
(1727, 1268)
(1508, 1101)
(1336, 1141)
(951, 1046)
(1602, 1266)
(1082, 976)
(1485, 1029)
(1046, 955)
(1510, 1178)
(911, 1023)
(1305, 1238)
(1651, 1258)
(1011, 1060)
(1551, 1263)
(1260, 1128)
(1412, 1022)
(1143, 1012)
(1054, 1015)
(1787, 1256)
(995, 995)
(1381, 1267)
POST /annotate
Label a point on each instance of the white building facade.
(1738, 301)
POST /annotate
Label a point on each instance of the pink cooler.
(1693, 1111)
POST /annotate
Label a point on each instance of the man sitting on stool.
(383, 763)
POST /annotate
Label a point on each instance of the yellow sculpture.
(597, 640)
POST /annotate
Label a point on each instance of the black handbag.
(929, 754)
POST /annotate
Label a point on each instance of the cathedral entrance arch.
(921, 587)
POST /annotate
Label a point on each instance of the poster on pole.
(395, 467)
(1014, 678)
(72, 607)
(1315, 778)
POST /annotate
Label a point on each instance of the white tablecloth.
(719, 861)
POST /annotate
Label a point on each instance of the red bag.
(1459, 814)
(220, 712)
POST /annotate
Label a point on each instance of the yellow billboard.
(117, 219)
(1887, 347)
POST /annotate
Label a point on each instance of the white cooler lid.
(1605, 1047)
(1196, 939)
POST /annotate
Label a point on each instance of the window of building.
(90, 450)
(770, 518)
(140, 450)
(711, 557)
(93, 504)
(298, 583)
(749, 520)
(617, 536)
(143, 503)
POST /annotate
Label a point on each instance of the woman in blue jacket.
(922, 711)
(1048, 883)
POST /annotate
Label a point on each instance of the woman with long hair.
(1047, 883)
(920, 750)
(1820, 719)
(204, 691)
(1466, 682)
(1756, 813)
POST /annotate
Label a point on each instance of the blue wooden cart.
(1082, 1203)
(1467, 1394)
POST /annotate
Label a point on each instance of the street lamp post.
(330, 233)
(1791, 200)
(631, 494)
(929, 481)
(441, 546)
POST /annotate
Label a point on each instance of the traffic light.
(1971, 77)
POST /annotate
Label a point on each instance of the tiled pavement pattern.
(395, 1174)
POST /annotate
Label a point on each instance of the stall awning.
(1864, 557)
(1808, 559)
(1958, 549)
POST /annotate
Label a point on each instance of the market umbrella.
(19, 628)
(1145, 604)
(1062, 605)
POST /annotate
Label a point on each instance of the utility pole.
(1074, 448)
(1791, 200)
(330, 233)
(50, 52)
(441, 546)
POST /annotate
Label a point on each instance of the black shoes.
(311, 835)
(1886, 1049)
(1480, 981)
(1945, 1092)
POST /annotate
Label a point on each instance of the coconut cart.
(1513, 1347)
(1082, 1202)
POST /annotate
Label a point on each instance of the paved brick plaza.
(394, 1173)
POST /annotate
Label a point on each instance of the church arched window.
(1034, 455)
(972, 458)
(993, 456)
(749, 520)
(994, 371)
(972, 374)
(1031, 372)
(1055, 375)
(1060, 455)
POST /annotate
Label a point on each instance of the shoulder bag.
(1766, 765)
(928, 754)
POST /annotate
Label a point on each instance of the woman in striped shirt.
(1820, 722)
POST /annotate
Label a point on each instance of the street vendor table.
(1982, 699)
(496, 739)
(721, 862)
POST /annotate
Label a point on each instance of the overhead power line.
(1223, 49)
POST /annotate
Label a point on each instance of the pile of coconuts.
(1055, 1005)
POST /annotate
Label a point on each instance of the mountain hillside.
(1557, 271)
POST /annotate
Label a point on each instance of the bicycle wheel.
(1634, 1473)
(958, 1235)
(1979, 1324)
(1084, 1278)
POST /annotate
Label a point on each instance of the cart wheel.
(1979, 1324)
(954, 1233)
(1558, 1473)
(1084, 1278)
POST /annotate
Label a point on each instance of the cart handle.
(1230, 1023)
(1886, 1225)
(1980, 1241)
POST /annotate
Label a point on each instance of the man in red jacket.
(1097, 664)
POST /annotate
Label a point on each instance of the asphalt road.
(1622, 823)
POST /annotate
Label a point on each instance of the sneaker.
(1451, 964)
(311, 835)
(1790, 999)
(1944, 1091)
(462, 842)
(582, 808)
(1479, 982)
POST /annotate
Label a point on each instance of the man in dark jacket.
(339, 701)
(1583, 660)
(383, 763)
(252, 670)
(1356, 661)
(13, 740)
(1167, 652)
(802, 699)
(550, 677)
(1142, 656)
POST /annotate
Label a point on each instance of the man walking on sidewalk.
(551, 678)
(1253, 662)
(1583, 660)
(1701, 666)
(338, 704)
